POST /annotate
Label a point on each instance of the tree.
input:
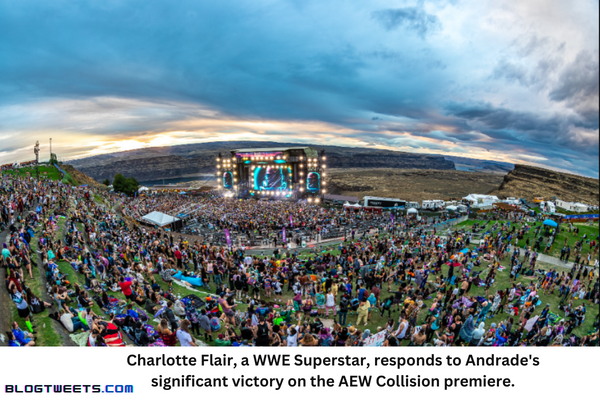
(106, 182)
(125, 185)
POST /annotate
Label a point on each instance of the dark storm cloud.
(508, 125)
(372, 71)
(578, 87)
(412, 18)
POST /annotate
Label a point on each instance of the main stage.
(290, 173)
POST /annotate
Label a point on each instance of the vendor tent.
(479, 200)
(348, 205)
(412, 211)
(159, 219)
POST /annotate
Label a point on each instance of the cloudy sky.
(505, 80)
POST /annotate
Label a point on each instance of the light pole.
(50, 149)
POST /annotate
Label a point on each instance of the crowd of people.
(405, 284)
(252, 218)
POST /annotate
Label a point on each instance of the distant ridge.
(170, 162)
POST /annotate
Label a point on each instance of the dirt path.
(5, 301)
(58, 327)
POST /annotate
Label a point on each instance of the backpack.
(388, 303)
(215, 325)
(262, 330)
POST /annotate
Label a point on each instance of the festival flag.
(292, 221)
(228, 237)
(392, 218)
(284, 235)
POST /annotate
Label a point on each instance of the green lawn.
(591, 231)
(44, 171)
(44, 330)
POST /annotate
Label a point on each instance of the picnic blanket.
(114, 307)
(195, 301)
(80, 339)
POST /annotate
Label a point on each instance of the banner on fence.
(376, 340)
(582, 216)
(228, 237)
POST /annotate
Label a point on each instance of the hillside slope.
(80, 177)
(528, 182)
(411, 185)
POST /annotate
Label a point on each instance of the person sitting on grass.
(61, 297)
(20, 337)
(125, 285)
(35, 303)
(151, 303)
(109, 333)
(13, 342)
(73, 321)
(223, 340)
(22, 307)
(167, 276)
(168, 337)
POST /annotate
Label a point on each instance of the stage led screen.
(228, 180)
(269, 178)
(313, 182)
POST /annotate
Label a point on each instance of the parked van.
(414, 204)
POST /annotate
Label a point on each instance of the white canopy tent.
(348, 205)
(481, 199)
(412, 211)
(159, 219)
(143, 189)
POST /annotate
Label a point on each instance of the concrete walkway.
(555, 261)
(548, 259)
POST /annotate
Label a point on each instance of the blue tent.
(551, 223)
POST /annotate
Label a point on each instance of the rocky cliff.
(526, 181)
(190, 160)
